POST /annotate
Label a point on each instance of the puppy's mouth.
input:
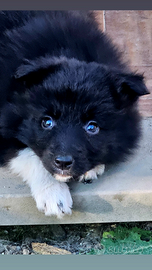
(62, 175)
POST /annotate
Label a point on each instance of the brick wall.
(131, 31)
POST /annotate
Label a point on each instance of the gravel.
(74, 239)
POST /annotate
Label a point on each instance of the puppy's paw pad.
(60, 205)
(87, 181)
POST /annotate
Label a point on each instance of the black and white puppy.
(67, 102)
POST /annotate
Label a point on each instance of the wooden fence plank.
(131, 31)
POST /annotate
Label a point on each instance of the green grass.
(125, 240)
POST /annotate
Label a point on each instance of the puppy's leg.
(51, 196)
(92, 174)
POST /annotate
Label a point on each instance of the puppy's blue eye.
(47, 123)
(92, 128)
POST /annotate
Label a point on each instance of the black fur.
(60, 64)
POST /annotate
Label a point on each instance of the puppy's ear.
(129, 88)
(35, 71)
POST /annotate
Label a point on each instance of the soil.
(57, 239)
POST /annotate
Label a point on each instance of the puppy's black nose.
(63, 162)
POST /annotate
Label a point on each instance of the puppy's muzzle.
(63, 162)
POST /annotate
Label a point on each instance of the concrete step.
(123, 193)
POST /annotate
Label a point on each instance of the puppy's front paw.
(54, 200)
(92, 174)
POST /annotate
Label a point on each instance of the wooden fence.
(131, 31)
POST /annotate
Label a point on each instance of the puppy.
(68, 102)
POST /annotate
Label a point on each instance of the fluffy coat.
(68, 103)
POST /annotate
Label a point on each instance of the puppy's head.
(74, 115)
